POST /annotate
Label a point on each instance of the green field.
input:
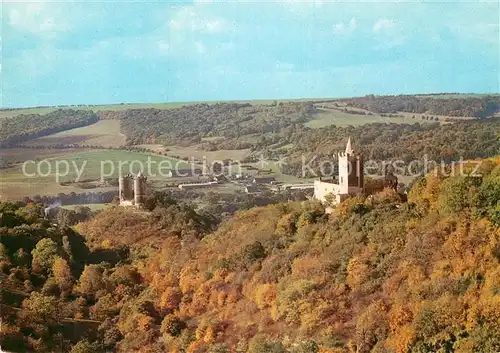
(104, 133)
(19, 155)
(89, 165)
(107, 163)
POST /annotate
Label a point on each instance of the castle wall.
(322, 189)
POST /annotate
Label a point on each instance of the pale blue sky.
(111, 52)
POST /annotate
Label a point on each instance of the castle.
(132, 191)
(350, 180)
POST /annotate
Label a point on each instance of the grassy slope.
(103, 133)
(19, 155)
(328, 117)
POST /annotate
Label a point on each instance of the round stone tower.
(125, 188)
(139, 190)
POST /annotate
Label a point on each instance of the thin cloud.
(36, 18)
(388, 34)
(383, 24)
(284, 66)
(200, 48)
(188, 19)
(341, 28)
(488, 32)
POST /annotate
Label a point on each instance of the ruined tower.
(139, 190)
(125, 188)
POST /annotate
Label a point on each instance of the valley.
(276, 133)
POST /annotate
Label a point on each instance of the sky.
(103, 52)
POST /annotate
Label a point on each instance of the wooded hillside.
(473, 106)
(378, 275)
(190, 123)
(27, 127)
(406, 142)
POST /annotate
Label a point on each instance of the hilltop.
(10, 112)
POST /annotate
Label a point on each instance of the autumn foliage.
(377, 275)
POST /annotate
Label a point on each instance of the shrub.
(172, 325)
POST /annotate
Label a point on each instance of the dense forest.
(477, 107)
(377, 275)
(385, 142)
(30, 126)
(190, 123)
(74, 198)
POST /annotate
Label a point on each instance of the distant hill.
(10, 112)
(450, 105)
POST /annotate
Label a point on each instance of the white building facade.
(350, 179)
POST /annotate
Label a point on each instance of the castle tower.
(139, 190)
(351, 171)
(125, 189)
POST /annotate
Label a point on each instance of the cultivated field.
(197, 153)
(104, 133)
(327, 117)
(331, 114)
(20, 155)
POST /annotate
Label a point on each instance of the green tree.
(490, 197)
(307, 346)
(172, 325)
(84, 346)
(62, 274)
(253, 252)
(44, 254)
(459, 194)
(91, 281)
(40, 308)
(219, 348)
(105, 307)
(4, 255)
(261, 344)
